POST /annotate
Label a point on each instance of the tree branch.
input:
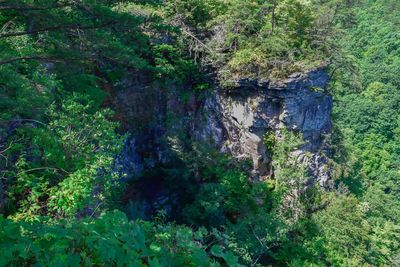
(56, 28)
(49, 58)
(44, 168)
(27, 8)
(198, 40)
(12, 60)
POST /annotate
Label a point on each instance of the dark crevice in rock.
(233, 121)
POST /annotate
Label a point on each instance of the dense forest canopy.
(60, 189)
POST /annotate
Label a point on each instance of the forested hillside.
(116, 148)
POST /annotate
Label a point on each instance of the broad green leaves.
(72, 169)
(109, 240)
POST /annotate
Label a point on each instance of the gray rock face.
(129, 162)
(234, 121)
(237, 120)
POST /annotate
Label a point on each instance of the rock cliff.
(237, 120)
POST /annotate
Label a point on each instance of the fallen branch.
(198, 40)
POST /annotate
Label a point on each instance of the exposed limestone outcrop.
(237, 120)
(234, 121)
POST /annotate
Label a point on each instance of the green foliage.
(108, 240)
(369, 118)
(24, 95)
(170, 62)
(287, 168)
(194, 13)
(69, 157)
(61, 59)
(256, 39)
(219, 186)
(275, 231)
(343, 236)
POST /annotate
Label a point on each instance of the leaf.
(216, 251)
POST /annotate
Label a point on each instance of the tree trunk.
(273, 16)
